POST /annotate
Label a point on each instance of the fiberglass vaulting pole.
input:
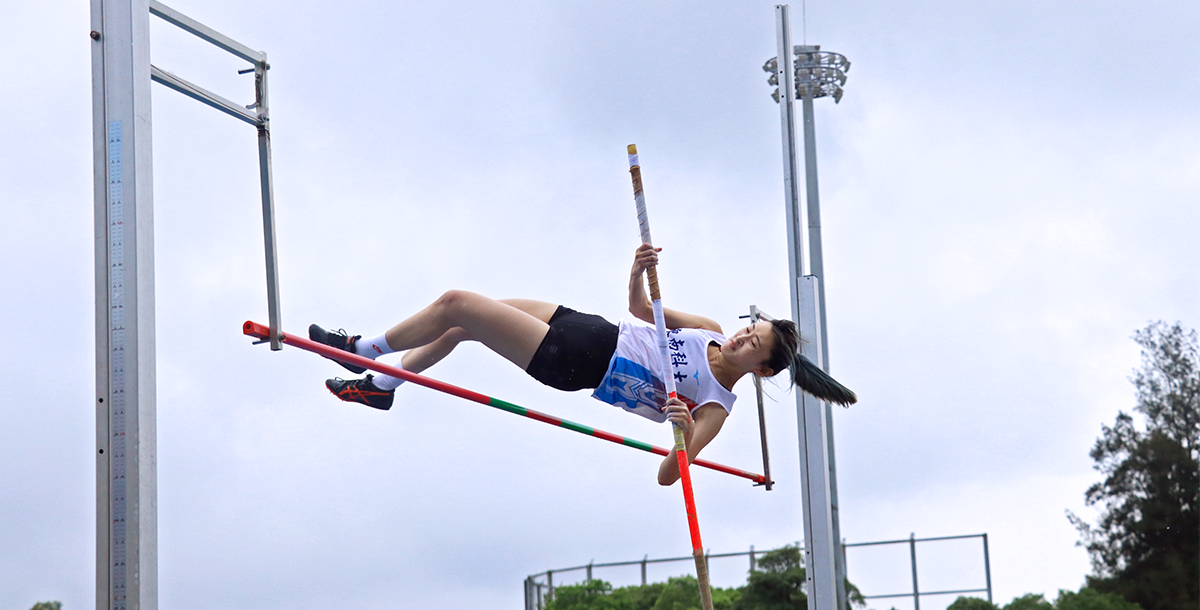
(820, 547)
(685, 478)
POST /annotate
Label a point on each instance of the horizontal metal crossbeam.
(188, 24)
(203, 95)
(926, 593)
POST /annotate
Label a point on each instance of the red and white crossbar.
(260, 331)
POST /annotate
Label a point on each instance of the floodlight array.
(817, 73)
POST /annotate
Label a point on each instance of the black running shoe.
(361, 391)
(337, 340)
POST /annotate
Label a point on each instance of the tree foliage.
(972, 603)
(587, 595)
(47, 606)
(1091, 599)
(679, 593)
(777, 584)
(1031, 601)
(775, 590)
(1086, 599)
(1146, 546)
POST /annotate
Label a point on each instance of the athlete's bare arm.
(699, 428)
(645, 257)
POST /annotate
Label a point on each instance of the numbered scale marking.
(116, 367)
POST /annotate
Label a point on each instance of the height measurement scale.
(126, 443)
(116, 366)
(126, 557)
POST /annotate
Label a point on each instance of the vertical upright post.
(816, 266)
(126, 480)
(268, 200)
(987, 567)
(820, 545)
(842, 557)
(755, 316)
(644, 558)
(912, 549)
(820, 554)
(816, 262)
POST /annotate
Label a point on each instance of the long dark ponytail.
(804, 374)
(810, 378)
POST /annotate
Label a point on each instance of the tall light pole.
(806, 72)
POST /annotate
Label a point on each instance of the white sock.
(387, 382)
(372, 348)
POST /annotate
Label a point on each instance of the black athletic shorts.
(576, 351)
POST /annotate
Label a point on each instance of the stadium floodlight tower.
(806, 72)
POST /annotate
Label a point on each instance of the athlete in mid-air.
(570, 351)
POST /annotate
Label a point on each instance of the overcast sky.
(1009, 191)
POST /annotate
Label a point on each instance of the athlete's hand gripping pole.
(685, 477)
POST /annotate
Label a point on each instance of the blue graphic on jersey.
(631, 386)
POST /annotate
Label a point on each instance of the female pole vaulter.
(568, 350)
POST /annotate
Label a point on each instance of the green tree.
(681, 593)
(1085, 599)
(1091, 599)
(777, 584)
(47, 606)
(971, 603)
(639, 597)
(1146, 546)
(1030, 601)
(587, 595)
(854, 597)
(724, 599)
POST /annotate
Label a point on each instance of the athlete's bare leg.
(514, 329)
(421, 358)
(538, 309)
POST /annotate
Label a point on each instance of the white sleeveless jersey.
(634, 380)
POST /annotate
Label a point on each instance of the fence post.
(589, 570)
(644, 558)
(912, 548)
(987, 567)
(752, 558)
(845, 570)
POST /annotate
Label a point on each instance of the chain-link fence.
(539, 588)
